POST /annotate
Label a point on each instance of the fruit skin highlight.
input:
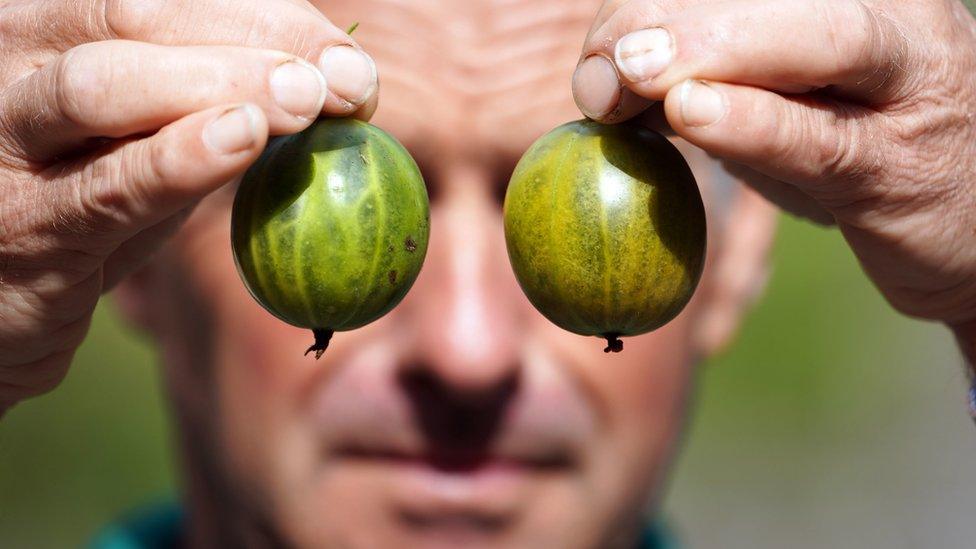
(605, 229)
(330, 226)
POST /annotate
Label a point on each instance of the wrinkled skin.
(877, 134)
(463, 417)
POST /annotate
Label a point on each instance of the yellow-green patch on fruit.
(605, 229)
(330, 226)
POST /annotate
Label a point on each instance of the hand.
(858, 112)
(116, 117)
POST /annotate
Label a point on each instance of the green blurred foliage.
(832, 421)
(823, 369)
(97, 446)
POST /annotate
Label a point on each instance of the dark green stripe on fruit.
(321, 220)
(605, 229)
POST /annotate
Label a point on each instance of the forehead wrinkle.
(495, 71)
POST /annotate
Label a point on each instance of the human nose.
(470, 322)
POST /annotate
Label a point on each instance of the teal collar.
(160, 527)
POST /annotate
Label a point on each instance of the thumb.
(139, 183)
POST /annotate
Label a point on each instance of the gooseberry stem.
(352, 29)
(322, 337)
(614, 345)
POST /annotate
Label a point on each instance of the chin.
(356, 502)
(377, 516)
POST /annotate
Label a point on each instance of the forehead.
(470, 78)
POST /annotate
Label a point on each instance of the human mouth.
(447, 455)
(468, 493)
(442, 473)
(459, 461)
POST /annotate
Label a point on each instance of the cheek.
(650, 387)
(257, 365)
(643, 393)
(647, 413)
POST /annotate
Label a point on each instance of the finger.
(353, 81)
(120, 88)
(291, 26)
(654, 118)
(785, 46)
(825, 148)
(599, 94)
(136, 251)
(606, 10)
(787, 197)
(25, 380)
(145, 181)
(656, 8)
(597, 86)
(366, 111)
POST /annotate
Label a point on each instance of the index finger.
(292, 26)
(597, 86)
(655, 8)
(781, 45)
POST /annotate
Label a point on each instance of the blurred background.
(832, 422)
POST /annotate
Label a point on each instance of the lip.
(459, 461)
(465, 494)
(451, 459)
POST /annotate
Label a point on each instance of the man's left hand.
(857, 112)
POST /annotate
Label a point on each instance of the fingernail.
(298, 88)
(351, 73)
(701, 104)
(233, 131)
(596, 87)
(644, 54)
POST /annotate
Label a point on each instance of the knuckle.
(81, 85)
(862, 17)
(788, 135)
(158, 159)
(826, 144)
(846, 153)
(131, 18)
(139, 171)
(145, 168)
(100, 200)
(852, 30)
(835, 145)
(112, 193)
(772, 133)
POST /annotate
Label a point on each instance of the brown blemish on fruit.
(409, 244)
(392, 276)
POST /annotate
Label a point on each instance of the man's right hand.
(116, 118)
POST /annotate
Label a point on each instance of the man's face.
(463, 416)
